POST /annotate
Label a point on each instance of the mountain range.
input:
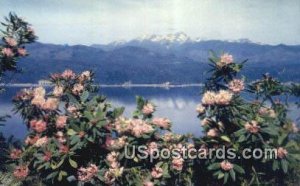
(174, 58)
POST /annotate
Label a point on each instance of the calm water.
(178, 104)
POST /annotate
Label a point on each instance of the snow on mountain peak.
(179, 37)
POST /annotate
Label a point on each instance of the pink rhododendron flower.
(226, 166)
(55, 76)
(252, 127)
(140, 127)
(148, 109)
(77, 89)
(177, 163)
(15, 154)
(7, 52)
(209, 98)
(60, 137)
(236, 85)
(61, 122)
(282, 152)
(162, 122)
(122, 125)
(212, 133)
(267, 112)
(22, 51)
(112, 157)
(51, 104)
(68, 74)
(72, 109)
(21, 172)
(63, 149)
(38, 101)
(200, 109)
(157, 172)
(167, 137)
(226, 59)
(11, 41)
(58, 91)
(152, 147)
(223, 97)
(24, 94)
(205, 121)
(31, 140)
(86, 75)
(109, 177)
(41, 142)
(39, 92)
(86, 174)
(47, 156)
(116, 144)
(114, 165)
(38, 125)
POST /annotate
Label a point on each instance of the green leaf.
(118, 111)
(275, 165)
(60, 176)
(84, 96)
(232, 174)
(226, 177)
(239, 132)
(242, 138)
(140, 102)
(238, 169)
(220, 175)
(88, 115)
(72, 99)
(53, 166)
(71, 132)
(214, 166)
(282, 138)
(51, 175)
(270, 131)
(226, 138)
(284, 165)
(73, 163)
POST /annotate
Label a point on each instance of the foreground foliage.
(15, 34)
(76, 136)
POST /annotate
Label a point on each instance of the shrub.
(16, 33)
(76, 136)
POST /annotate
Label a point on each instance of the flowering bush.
(15, 35)
(76, 136)
(231, 121)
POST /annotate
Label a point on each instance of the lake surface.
(178, 104)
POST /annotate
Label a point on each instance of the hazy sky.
(103, 21)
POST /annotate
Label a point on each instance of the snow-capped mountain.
(179, 37)
(169, 40)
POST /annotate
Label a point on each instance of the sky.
(103, 21)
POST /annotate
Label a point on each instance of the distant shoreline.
(112, 86)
